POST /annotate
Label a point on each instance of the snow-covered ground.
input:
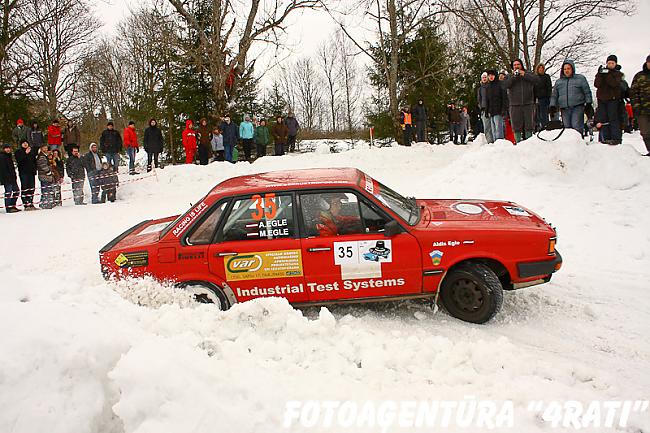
(78, 354)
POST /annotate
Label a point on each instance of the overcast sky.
(628, 37)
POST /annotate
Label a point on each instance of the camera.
(516, 72)
(602, 69)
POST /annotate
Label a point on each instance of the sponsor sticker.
(436, 257)
(468, 208)
(155, 228)
(189, 218)
(517, 211)
(264, 264)
(362, 259)
(132, 259)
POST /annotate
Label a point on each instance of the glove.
(552, 111)
(589, 111)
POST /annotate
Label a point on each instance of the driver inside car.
(331, 222)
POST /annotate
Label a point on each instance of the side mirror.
(391, 229)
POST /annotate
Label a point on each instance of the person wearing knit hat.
(481, 98)
(19, 133)
(609, 93)
(640, 98)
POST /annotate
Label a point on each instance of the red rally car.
(322, 236)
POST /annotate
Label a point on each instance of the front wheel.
(207, 293)
(472, 292)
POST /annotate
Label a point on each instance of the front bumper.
(540, 269)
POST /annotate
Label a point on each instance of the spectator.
(453, 118)
(496, 106)
(630, 117)
(109, 182)
(54, 136)
(293, 127)
(625, 97)
(131, 144)
(153, 143)
(75, 168)
(217, 145)
(93, 165)
(279, 131)
(58, 170)
(110, 143)
(572, 95)
(35, 136)
(230, 133)
(521, 96)
(246, 132)
(189, 141)
(406, 121)
(45, 177)
(464, 125)
(608, 84)
(72, 136)
(8, 178)
(26, 162)
(20, 133)
(420, 119)
(481, 96)
(261, 138)
(640, 99)
(205, 136)
(543, 95)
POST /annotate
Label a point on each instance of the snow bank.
(83, 355)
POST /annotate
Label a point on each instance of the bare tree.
(226, 30)
(536, 29)
(57, 43)
(394, 23)
(350, 80)
(328, 59)
(308, 92)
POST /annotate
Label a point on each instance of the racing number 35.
(345, 252)
(264, 207)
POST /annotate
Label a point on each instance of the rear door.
(258, 251)
(358, 261)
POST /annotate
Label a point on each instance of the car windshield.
(405, 207)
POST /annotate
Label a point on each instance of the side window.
(373, 221)
(331, 214)
(203, 232)
(261, 216)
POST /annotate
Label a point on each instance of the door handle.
(226, 253)
(318, 249)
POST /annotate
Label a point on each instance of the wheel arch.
(496, 265)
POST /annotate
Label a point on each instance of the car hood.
(437, 212)
(141, 235)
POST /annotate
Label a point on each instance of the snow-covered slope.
(78, 354)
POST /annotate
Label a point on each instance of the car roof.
(289, 179)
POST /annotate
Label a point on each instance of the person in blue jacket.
(230, 133)
(246, 133)
(572, 96)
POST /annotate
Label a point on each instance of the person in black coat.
(543, 89)
(110, 143)
(75, 168)
(420, 118)
(496, 105)
(26, 162)
(8, 178)
(153, 143)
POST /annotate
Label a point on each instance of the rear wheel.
(207, 293)
(472, 292)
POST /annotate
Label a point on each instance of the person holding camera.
(521, 94)
(572, 96)
(608, 84)
(640, 99)
(496, 106)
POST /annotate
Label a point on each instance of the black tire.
(472, 292)
(207, 293)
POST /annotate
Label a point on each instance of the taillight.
(551, 246)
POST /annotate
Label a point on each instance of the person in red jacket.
(54, 135)
(131, 144)
(189, 141)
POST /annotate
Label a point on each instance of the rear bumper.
(540, 269)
